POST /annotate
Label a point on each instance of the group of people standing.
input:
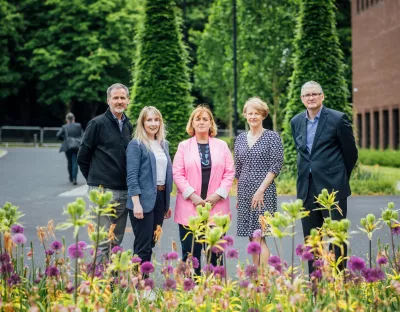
(140, 172)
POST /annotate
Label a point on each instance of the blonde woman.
(149, 180)
(203, 172)
(258, 159)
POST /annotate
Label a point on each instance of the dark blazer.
(333, 154)
(142, 175)
(74, 130)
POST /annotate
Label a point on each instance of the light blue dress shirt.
(120, 122)
(311, 129)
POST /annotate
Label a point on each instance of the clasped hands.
(213, 199)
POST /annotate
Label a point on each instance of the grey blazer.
(74, 130)
(142, 175)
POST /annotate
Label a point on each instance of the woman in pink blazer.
(203, 171)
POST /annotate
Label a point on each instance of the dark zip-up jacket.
(101, 156)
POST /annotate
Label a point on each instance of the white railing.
(36, 136)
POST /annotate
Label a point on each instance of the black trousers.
(143, 229)
(316, 219)
(72, 164)
(187, 249)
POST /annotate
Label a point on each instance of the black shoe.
(74, 183)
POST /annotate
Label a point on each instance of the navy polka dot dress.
(252, 166)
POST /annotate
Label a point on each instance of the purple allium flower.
(74, 251)
(220, 270)
(49, 252)
(307, 256)
(318, 263)
(172, 256)
(396, 229)
(382, 260)
(254, 248)
(253, 310)
(16, 228)
(82, 244)
(4, 258)
(52, 271)
(244, 283)
(182, 268)
(195, 262)
(257, 233)
(356, 263)
(147, 267)
(169, 284)
(56, 245)
(136, 259)
(188, 284)
(19, 238)
(37, 281)
(299, 250)
(14, 279)
(167, 270)
(208, 268)
(251, 271)
(6, 268)
(317, 274)
(232, 253)
(116, 249)
(274, 261)
(148, 283)
(373, 274)
(229, 240)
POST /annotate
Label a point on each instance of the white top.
(161, 161)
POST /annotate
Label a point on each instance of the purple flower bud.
(274, 261)
(172, 256)
(147, 267)
(19, 238)
(74, 251)
(56, 245)
(232, 253)
(219, 270)
(188, 284)
(52, 271)
(16, 228)
(49, 252)
(356, 263)
(148, 283)
(169, 284)
(136, 260)
(257, 233)
(254, 248)
(229, 240)
(251, 271)
(382, 260)
(117, 249)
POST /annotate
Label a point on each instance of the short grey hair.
(70, 117)
(311, 84)
(116, 86)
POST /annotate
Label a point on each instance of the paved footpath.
(36, 179)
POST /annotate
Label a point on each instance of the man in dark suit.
(74, 130)
(326, 156)
(102, 158)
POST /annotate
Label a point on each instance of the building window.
(396, 128)
(358, 6)
(362, 5)
(385, 129)
(367, 3)
(359, 129)
(367, 130)
(376, 130)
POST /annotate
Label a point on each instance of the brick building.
(376, 72)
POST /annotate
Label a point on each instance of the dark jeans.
(187, 249)
(316, 219)
(143, 229)
(72, 164)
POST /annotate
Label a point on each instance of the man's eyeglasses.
(309, 95)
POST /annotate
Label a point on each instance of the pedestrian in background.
(71, 134)
(258, 159)
(149, 179)
(102, 159)
(203, 172)
(326, 155)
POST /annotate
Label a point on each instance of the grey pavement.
(33, 179)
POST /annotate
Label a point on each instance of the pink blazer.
(186, 171)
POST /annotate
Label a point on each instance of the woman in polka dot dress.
(258, 159)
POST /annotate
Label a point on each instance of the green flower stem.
(76, 271)
(33, 264)
(96, 247)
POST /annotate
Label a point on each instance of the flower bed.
(69, 282)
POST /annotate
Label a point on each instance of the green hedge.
(387, 158)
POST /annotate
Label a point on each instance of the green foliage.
(265, 29)
(161, 76)
(389, 158)
(11, 27)
(85, 47)
(317, 57)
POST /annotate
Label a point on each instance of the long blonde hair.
(140, 132)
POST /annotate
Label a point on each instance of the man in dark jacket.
(326, 156)
(71, 130)
(102, 159)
